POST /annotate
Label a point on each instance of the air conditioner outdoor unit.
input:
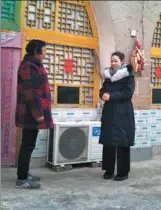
(74, 143)
(95, 147)
(68, 143)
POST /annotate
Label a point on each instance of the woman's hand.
(106, 97)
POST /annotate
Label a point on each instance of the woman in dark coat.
(33, 110)
(118, 124)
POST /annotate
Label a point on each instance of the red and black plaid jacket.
(33, 96)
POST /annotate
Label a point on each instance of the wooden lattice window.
(83, 75)
(69, 30)
(8, 10)
(73, 19)
(156, 54)
(71, 16)
(10, 15)
(40, 14)
(157, 35)
(154, 63)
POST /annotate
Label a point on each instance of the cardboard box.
(38, 154)
(85, 113)
(155, 134)
(97, 114)
(154, 141)
(137, 129)
(155, 120)
(70, 113)
(43, 134)
(159, 113)
(140, 121)
(154, 127)
(137, 113)
(142, 136)
(154, 113)
(145, 113)
(57, 114)
(144, 128)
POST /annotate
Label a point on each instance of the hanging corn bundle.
(137, 58)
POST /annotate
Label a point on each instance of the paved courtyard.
(84, 189)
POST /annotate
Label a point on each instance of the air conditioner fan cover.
(72, 143)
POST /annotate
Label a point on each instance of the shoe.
(33, 178)
(107, 176)
(120, 178)
(27, 184)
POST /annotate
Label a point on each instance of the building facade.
(82, 34)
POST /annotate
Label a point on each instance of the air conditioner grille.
(72, 143)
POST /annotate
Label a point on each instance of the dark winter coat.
(33, 96)
(118, 124)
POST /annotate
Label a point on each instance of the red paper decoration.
(68, 65)
(158, 71)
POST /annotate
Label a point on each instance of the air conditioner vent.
(73, 142)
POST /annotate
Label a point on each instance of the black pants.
(28, 144)
(123, 160)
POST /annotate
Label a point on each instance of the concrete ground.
(84, 189)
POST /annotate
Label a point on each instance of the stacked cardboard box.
(148, 126)
(155, 127)
(76, 114)
(142, 133)
(41, 144)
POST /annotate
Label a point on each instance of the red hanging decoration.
(137, 57)
(158, 71)
(68, 65)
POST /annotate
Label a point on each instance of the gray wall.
(114, 20)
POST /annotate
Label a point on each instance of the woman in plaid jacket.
(33, 110)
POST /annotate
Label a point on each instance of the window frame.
(13, 25)
(59, 38)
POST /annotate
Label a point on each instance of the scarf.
(113, 71)
(118, 74)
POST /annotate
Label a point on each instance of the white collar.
(120, 74)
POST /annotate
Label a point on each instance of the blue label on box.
(96, 131)
(55, 113)
(70, 113)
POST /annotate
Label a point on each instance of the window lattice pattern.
(40, 14)
(52, 93)
(87, 95)
(154, 80)
(82, 75)
(157, 35)
(73, 19)
(8, 10)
